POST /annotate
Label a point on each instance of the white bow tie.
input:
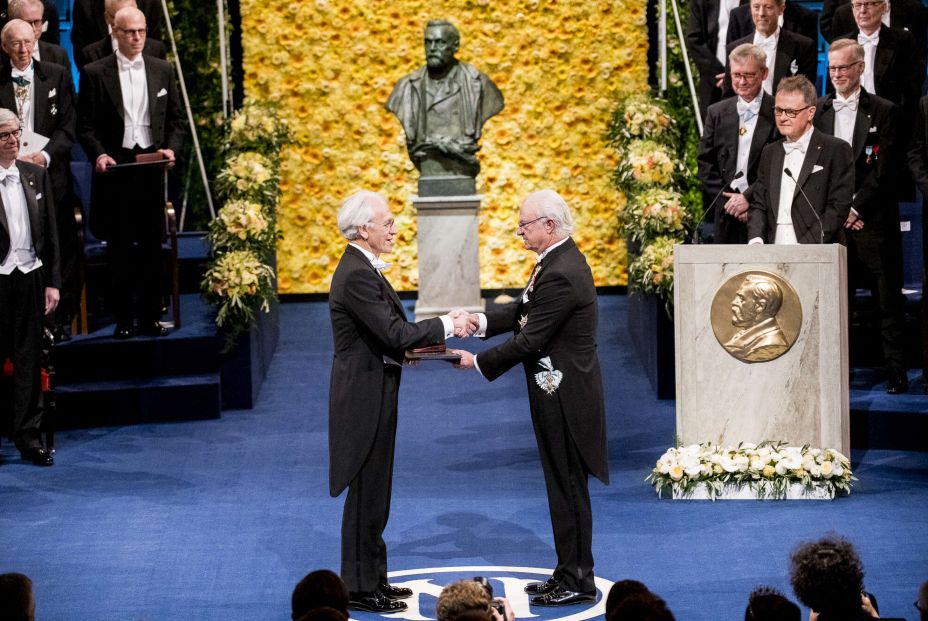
(768, 44)
(11, 173)
(131, 64)
(380, 265)
(873, 39)
(748, 110)
(850, 104)
(791, 147)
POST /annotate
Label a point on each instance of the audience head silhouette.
(16, 601)
(319, 590)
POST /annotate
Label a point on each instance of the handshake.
(465, 324)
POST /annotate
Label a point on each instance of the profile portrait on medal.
(756, 316)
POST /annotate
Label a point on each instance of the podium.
(761, 344)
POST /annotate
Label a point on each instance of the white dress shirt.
(785, 233)
(24, 107)
(846, 116)
(769, 45)
(748, 111)
(134, 85)
(725, 8)
(870, 43)
(22, 254)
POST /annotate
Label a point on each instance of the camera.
(494, 604)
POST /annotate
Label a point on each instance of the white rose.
(781, 468)
(827, 469)
(757, 464)
(815, 470)
(838, 470)
(741, 462)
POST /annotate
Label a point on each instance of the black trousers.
(566, 480)
(22, 308)
(367, 506)
(875, 263)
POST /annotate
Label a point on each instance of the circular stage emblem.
(756, 316)
(508, 582)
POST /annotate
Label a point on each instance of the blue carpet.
(218, 519)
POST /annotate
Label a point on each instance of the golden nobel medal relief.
(756, 316)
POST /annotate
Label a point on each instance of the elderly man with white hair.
(554, 338)
(371, 335)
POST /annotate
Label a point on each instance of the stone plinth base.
(449, 265)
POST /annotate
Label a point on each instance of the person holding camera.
(472, 600)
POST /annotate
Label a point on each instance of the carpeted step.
(883, 421)
(131, 401)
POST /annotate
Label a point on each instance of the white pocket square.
(162, 92)
(816, 168)
(52, 93)
(873, 130)
(38, 196)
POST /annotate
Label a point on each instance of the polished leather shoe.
(393, 592)
(897, 383)
(562, 597)
(123, 332)
(153, 329)
(38, 456)
(540, 588)
(374, 602)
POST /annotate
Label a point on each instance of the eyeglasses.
(747, 77)
(35, 22)
(835, 69)
(389, 224)
(524, 225)
(5, 136)
(788, 112)
(137, 32)
(859, 6)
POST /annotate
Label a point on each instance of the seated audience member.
(922, 602)
(16, 601)
(622, 590)
(641, 607)
(321, 589)
(767, 604)
(828, 577)
(323, 614)
(469, 600)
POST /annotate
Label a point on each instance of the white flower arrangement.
(769, 469)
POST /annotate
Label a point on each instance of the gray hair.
(15, 8)
(746, 51)
(857, 50)
(448, 26)
(8, 117)
(799, 84)
(15, 23)
(549, 204)
(357, 210)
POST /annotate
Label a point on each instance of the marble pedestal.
(449, 265)
(802, 396)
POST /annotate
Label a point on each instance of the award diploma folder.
(435, 352)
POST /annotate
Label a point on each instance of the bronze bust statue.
(754, 311)
(442, 107)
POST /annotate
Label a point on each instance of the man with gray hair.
(33, 13)
(110, 43)
(737, 129)
(29, 282)
(371, 335)
(554, 338)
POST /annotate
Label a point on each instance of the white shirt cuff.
(449, 326)
(48, 158)
(755, 241)
(482, 329)
(477, 366)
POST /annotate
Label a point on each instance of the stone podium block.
(761, 344)
(449, 262)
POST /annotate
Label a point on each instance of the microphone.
(737, 176)
(821, 229)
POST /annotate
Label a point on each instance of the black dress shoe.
(562, 597)
(123, 332)
(37, 455)
(540, 588)
(394, 592)
(374, 602)
(897, 383)
(153, 329)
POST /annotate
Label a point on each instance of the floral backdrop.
(331, 64)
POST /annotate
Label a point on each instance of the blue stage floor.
(218, 519)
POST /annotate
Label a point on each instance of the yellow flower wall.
(331, 64)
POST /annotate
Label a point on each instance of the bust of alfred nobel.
(442, 107)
